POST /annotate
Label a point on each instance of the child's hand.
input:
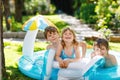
(66, 63)
(93, 54)
(61, 64)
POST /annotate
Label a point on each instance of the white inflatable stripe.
(74, 65)
(91, 64)
(28, 44)
(50, 59)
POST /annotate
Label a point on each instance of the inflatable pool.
(41, 65)
(35, 66)
(112, 73)
(31, 63)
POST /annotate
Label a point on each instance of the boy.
(52, 35)
(103, 50)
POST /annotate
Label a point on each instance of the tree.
(6, 13)
(2, 59)
(63, 6)
(19, 4)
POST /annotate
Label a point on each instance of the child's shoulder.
(50, 46)
(75, 47)
(82, 43)
(111, 56)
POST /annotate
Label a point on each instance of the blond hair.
(75, 42)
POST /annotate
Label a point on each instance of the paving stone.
(82, 30)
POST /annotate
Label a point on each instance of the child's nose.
(53, 36)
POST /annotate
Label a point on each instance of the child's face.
(53, 37)
(103, 50)
(68, 36)
(96, 49)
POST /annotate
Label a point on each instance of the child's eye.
(97, 49)
(70, 33)
(49, 35)
(54, 33)
(65, 33)
(102, 49)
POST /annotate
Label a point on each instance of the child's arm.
(92, 54)
(84, 46)
(58, 53)
(57, 56)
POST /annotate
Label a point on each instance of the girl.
(68, 50)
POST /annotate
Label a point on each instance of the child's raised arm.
(57, 56)
(58, 53)
(84, 47)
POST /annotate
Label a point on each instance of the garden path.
(82, 30)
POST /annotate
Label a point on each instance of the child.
(68, 50)
(51, 34)
(103, 48)
(96, 50)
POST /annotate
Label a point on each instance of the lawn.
(13, 52)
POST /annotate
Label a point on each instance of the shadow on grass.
(15, 74)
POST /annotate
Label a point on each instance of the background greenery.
(99, 14)
(55, 19)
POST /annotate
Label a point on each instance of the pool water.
(112, 73)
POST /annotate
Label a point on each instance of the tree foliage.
(37, 6)
(102, 13)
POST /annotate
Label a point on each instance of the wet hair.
(50, 29)
(75, 42)
(102, 42)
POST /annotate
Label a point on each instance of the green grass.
(13, 52)
(115, 46)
